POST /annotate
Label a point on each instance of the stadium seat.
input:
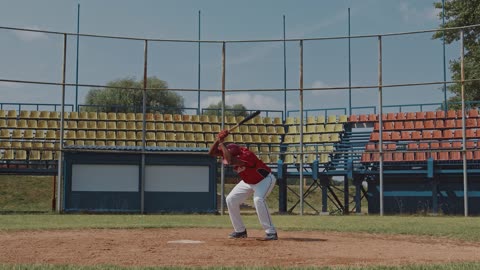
(398, 125)
(439, 124)
(440, 114)
(428, 124)
(418, 125)
(332, 119)
(416, 135)
(400, 116)
(426, 134)
(410, 116)
(471, 122)
(430, 115)
(409, 125)
(452, 114)
(438, 134)
(473, 113)
(406, 135)
(420, 115)
(321, 119)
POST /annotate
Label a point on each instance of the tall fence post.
(144, 112)
(464, 150)
(301, 127)
(62, 117)
(222, 168)
(380, 126)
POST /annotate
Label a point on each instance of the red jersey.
(254, 170)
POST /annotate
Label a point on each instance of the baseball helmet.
(234, 149)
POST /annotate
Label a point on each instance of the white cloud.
(250, 101)
(414, 15)
(302, 31)
(30, 36)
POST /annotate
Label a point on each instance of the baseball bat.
(248, 118)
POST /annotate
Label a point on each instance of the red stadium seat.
(452, 114)
(353, 118)
(428, 124)
(416, 135)
(374, 136)
(362, 118)
(398, 125)
(470, 144)
(410, 116)
(396, 136)
(410, 156)
(388, 125)
(426, 134)
(440, 114)
(459, 123)
(472, 113)
(439, 124)
(430, 115)
(406, 135)
(386, 136)
(418, 125)
(409, 125)
(401, 116)
(446, 134)
(471, 122)
(420, 115)
(391, 116)
(366, 157)
(458, 134)
(450, 123)
(471, 133)
(372, 117)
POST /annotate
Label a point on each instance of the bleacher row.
(35, 135)
(415, 137)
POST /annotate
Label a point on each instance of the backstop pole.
(144, 112)
(199, 62)
(62, 117)
(301, 127)
(380, 122)
(284, 70)
(222, 168)
(76, 64)
(349, 68)
(464, 149)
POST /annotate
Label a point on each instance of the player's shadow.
(302, 239)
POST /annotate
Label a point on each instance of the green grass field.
(29, 194)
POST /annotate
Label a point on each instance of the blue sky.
(406, 59)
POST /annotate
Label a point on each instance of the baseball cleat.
(236, 235)
(270, 236)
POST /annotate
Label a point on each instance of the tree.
(463, 13)
(235, 110)
(122, 98)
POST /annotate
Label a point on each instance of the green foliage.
(460, 13)
(126, 95)
(235, 110)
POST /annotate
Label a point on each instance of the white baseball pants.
(260, 192)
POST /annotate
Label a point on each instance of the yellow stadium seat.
(12, 123)
(160, 136)
(342, 119)
(39, 134)
(28, 134)
(3, 123)
(34, 155)
(12, 114)
(24, 114)
(111, 116)
(3, 114)
(332, 119)
(320, 119)
(209, 137)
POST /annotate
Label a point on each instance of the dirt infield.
(209, 247)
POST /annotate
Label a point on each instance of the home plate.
(185, 242)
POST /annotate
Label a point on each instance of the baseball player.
(256, 178)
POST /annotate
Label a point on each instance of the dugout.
(180, 181)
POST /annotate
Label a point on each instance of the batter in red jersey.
(257, 179)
